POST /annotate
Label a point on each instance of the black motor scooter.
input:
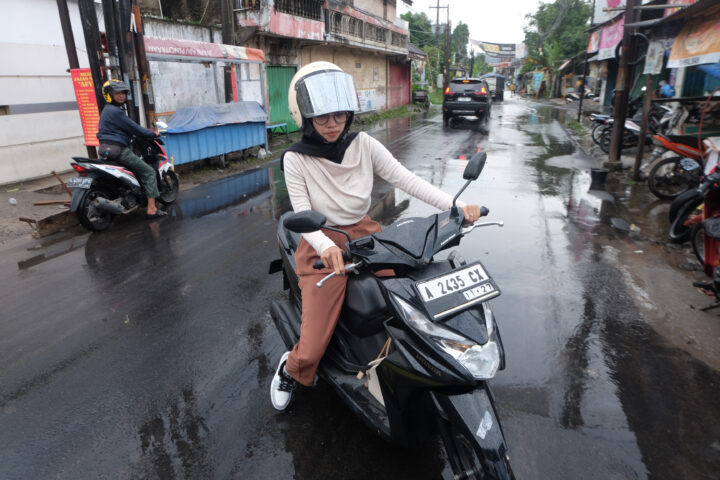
(444, 346)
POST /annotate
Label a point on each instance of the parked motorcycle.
(658, 120)
(599, 123)
(444, 340)
(104, 188)
(671, 176)
(687, 210)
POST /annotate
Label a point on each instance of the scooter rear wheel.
(605, 137)
(101, 220)
(597, 132)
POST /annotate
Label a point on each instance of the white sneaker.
(282, 386)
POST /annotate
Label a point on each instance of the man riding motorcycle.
(115, 132)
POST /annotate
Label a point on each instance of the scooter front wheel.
(170, 187)
(681, 225)
(697, 240)
(667, 179)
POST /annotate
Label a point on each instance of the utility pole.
(143, 67)
(228, 34)
(585, 71)
(621, 86)
(446, 70)
(446, 79)
(96, 58)
(71, 50)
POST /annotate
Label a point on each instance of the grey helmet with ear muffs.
(320, 88)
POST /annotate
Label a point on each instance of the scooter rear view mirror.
(305, 222)
(475, 166)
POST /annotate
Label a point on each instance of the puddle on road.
(579, 350)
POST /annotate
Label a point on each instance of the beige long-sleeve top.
(342, 191)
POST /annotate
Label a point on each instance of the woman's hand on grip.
(332, 257)
(471, 213)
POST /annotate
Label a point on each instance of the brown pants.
(320, 306)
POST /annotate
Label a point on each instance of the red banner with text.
(87, 104)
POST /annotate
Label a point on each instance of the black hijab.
(312, 143)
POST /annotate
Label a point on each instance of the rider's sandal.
(158, 214)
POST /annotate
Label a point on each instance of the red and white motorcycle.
(104, 188)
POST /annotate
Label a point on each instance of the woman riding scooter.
(330, 170)
(115, 132)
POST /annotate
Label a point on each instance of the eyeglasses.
(339, 117)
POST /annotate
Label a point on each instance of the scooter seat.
(365, 309)
(712, 227)
(689, 140)
(102, 161)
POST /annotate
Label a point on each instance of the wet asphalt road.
(146, 351)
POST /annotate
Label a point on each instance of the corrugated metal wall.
(278, 83)
(399, 86)
(212, 141)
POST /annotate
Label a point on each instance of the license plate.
(457, 290)
(464, 99)
(79, 182)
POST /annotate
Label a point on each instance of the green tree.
(420, 27)
(460, 38)
(480, 66)
(557, 31)
(434, 65)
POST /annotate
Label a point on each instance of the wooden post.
(649, 94)
(71, 50)
(621, 87)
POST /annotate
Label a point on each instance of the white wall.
(34, 71)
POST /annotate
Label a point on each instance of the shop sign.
(697, 43)
(610, 36)
(654, 58)
(594, 42)
(87, 104)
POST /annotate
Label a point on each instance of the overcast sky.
(497, 21)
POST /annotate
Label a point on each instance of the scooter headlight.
(482, 361)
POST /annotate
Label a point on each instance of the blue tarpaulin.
(189, 119)
(713, 69)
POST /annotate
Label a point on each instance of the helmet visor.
(326, 92)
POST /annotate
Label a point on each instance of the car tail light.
(79, 168)
(447, 91)
(466, 81)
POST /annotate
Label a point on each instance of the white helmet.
(319, 88)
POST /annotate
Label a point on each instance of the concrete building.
(40, 128)
(365, 38)
(39, 122)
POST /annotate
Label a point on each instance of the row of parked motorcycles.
(681, 168)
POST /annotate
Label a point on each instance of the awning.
(170, 48)
(698, 42)
(610, 36)
(565, 63)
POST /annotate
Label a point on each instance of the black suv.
(467, 96)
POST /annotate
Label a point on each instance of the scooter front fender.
(474, 414)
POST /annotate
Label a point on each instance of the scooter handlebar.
(319, 265)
